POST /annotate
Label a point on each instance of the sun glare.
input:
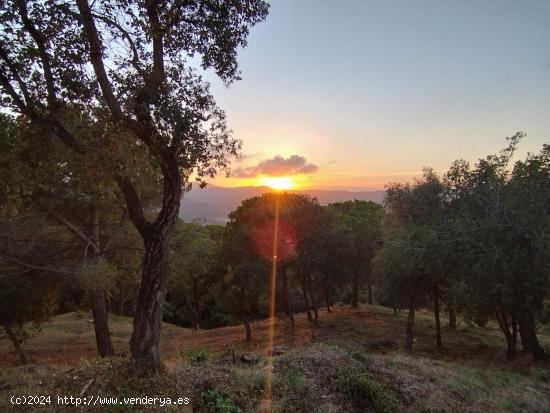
(278, 183)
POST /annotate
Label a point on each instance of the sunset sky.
(355, 94)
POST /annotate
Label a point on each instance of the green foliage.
(97, 275)
(215, 402)
(198, 356)
(363, 388)
(196, 271)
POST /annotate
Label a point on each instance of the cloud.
(277, 166)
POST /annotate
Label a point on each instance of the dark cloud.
(277, 166)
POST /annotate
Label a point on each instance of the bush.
(217, 403)
(363, 388)
(198, 356)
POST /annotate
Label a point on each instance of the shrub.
(363, 388)
(198, 356)
(217, 403)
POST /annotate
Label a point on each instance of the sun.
(279, 183)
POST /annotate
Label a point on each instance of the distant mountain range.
(213, 203)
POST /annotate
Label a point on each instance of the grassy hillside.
(353, 362)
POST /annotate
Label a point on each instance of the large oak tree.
(124, 66)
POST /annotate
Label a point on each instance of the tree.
(56, 186)
(413, 242)
(247, 274)
(195, 268)
(500, 224)
(20, 304)
(363, 220)
(123, 66)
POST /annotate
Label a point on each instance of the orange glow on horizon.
(278, 183)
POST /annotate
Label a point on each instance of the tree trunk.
(16, 344)
(355, 292)
(99, 304)
(410, 325)
(313, 300)
(529, 328)
(327, 299)
(247, 330)
(101, 324)
(510, 337)
(287, 302)
(144, 344)
(306, 299)
(436, 315)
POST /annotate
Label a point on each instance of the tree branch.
(96, 57)
(133, 202)
(31, 266)
(44, 57)
(71, 227)
(157, 76)
(126, 35)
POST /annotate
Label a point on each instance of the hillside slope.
(352, 362)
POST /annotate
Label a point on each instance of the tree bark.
(436, 316)
(529, 329)
(99, 304)
(16, 344)
(410, 325)
(510, 337)
(144, 344)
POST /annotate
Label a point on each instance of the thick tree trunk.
(144, 344)
(510, 336)
(436, 316)
(99, 303)
(16, 344)
(101, 324)
(410, 325)
(528, 325)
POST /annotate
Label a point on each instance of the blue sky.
(372, 91)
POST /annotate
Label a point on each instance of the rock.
(278, 350)
(249, 358)
(86, 387)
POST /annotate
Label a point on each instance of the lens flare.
(266, 402)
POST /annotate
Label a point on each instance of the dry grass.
(468, 374)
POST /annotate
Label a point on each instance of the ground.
(352, 362)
